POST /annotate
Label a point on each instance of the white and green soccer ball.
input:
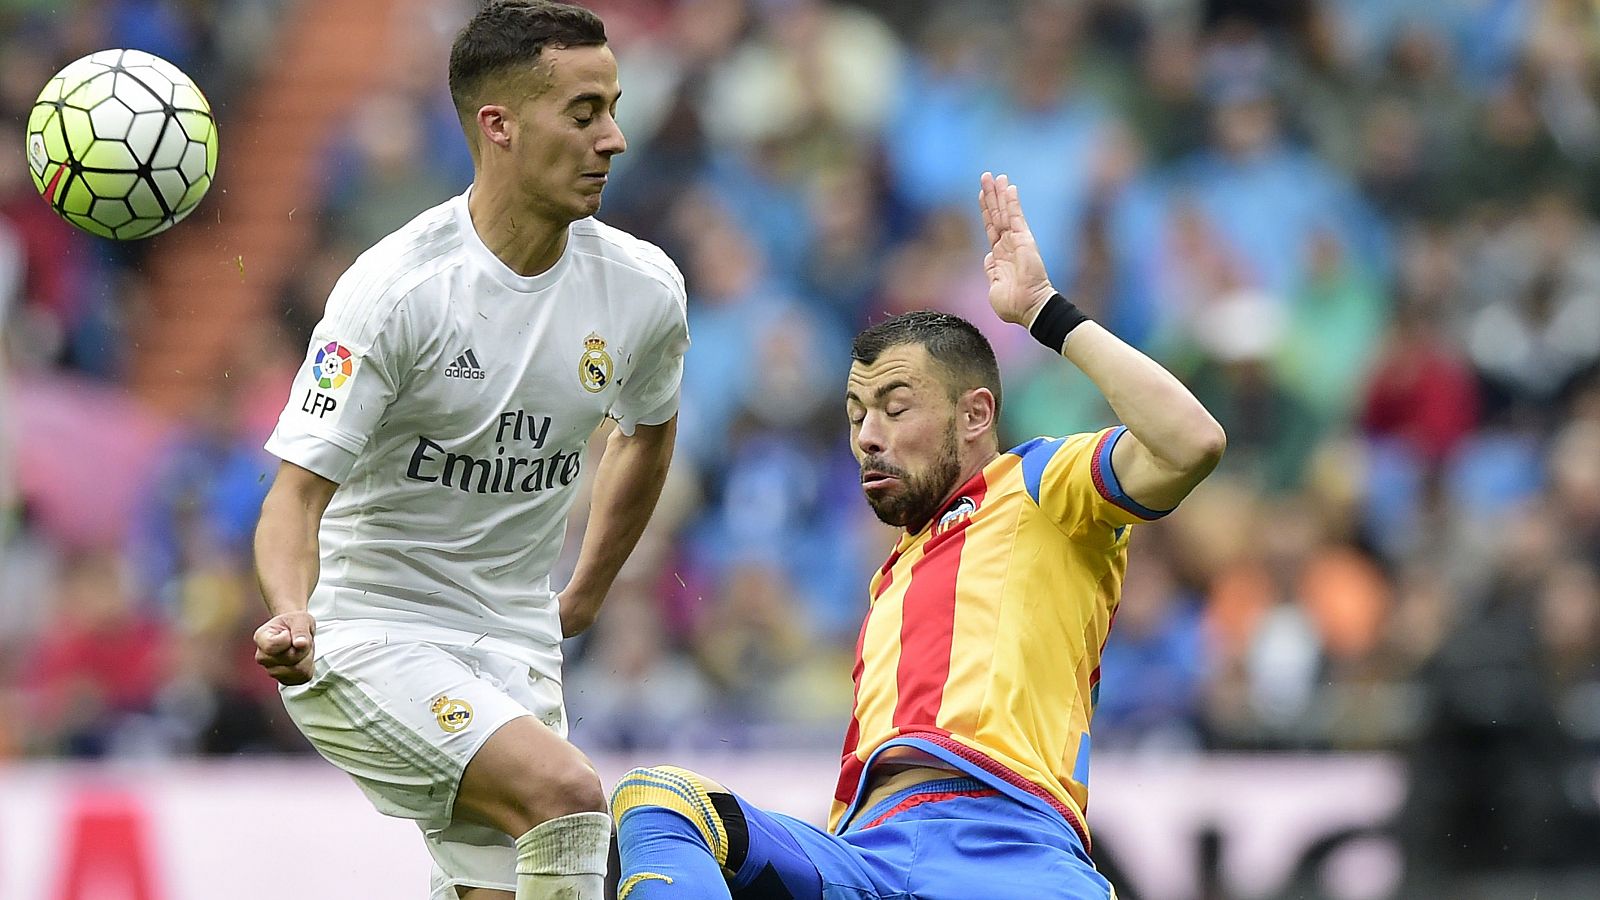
(122, 144)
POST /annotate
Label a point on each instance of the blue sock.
(664, 857)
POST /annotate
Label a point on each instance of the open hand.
(285, 647)
(1018, 284)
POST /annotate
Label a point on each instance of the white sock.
(565, 858)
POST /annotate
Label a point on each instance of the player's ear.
(975, 413)
(494, 124)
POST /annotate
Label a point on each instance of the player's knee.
(703, 802)
(574, 787)
(537, 795)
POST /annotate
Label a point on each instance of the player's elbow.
(1210, 442)
(1201, 448)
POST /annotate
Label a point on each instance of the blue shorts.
(951, 839)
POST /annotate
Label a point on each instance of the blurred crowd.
(119, 622)
(1364, 232)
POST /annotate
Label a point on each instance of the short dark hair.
(510, 33)
(957, 345)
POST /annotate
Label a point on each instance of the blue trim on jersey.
(961, 765)
(1036, 455)
(1113, 488)
(1080, 766)
(956, 782)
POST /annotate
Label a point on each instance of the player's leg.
(530, 783)
(405, 720)
(471, 861)
(684, 837)
(671, 831)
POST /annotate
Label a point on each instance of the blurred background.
(1360, 662)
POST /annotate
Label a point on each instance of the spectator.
(1508, 155)
(1537, 331)
(381, 176)
(1271, 432)
(1153, 666)
(1421, 392)
(1333, 328)
(1268, 200)
(98, 661)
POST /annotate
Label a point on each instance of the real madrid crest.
(594, 367)
(452, 715)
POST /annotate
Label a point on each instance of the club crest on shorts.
(452, 715)
(594, 367)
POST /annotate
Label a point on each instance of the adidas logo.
(465, 366)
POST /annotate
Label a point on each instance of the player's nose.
(612, 140)
(870, 439)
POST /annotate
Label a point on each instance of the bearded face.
(908, 498)
(903, 428)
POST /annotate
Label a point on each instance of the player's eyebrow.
(594, 97)
(890, 388)
(878, 395)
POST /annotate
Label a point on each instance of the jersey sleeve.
(650, 395)
(1073, 482)
(350, 376)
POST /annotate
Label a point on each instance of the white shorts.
(404, 719)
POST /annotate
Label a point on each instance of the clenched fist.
(285, 646)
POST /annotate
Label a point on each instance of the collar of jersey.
(907, 538)
(480, 252)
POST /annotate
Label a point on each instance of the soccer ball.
(122, 144)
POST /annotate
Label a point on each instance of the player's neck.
(969, 471)
(528, 244)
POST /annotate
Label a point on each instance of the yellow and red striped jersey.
(982, 644)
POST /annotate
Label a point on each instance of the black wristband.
(1055, 321)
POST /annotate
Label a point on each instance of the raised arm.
(287, 563)
(1172, 443)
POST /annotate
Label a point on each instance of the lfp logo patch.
(333, 366)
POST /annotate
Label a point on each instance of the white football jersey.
(452, 400)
